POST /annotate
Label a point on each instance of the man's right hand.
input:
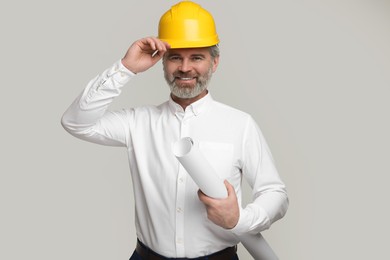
(144, 53)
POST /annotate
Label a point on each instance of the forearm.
(270, 201)
(262, 212)
(83, 118)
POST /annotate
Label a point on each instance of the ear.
(215, 63)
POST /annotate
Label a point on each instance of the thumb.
(229, 188)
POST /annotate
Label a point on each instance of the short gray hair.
(214, 51)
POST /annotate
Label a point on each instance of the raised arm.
(87, 118)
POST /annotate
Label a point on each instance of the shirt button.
(179, 210)
(179, 241)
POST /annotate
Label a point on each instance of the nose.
(185, 65)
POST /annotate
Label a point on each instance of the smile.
(184, 79)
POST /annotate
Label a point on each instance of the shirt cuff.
(119, 73)
(252, 219)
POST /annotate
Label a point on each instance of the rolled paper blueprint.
(258, 247)
(199, 168)
(210, 184)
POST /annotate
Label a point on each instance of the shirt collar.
(196, 108)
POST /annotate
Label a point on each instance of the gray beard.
(188, 91)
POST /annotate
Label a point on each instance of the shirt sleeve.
(87, 118)
(270, 201)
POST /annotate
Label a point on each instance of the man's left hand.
(222, 212)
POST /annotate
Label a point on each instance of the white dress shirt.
(170, 219)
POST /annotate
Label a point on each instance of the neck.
(185, 102)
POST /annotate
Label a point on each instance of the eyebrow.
(198, 55)
(192, 55)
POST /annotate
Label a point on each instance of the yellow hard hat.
(187, 25)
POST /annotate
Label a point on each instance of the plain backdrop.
(315, 74)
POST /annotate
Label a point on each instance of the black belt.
(148, 254)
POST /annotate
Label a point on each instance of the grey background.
(314, 74)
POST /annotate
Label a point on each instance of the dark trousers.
(136, 256)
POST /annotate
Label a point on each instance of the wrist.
(128, 66)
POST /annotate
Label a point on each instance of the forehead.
(190, 51)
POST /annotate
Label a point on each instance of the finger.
(203, 197)
(161, 48)
(201, 194)
(151, 43)
(230, 189)
(157, 44)
(166, 45)
(147, 45)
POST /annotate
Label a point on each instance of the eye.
(197, 58)
(174, 58)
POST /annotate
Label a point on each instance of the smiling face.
(188, 71)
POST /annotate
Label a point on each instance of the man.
(173, 218)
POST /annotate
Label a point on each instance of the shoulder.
(230, 111)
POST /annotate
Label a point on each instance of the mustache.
(183, 75)
(178, 74)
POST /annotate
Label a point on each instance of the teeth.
(186, 78)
